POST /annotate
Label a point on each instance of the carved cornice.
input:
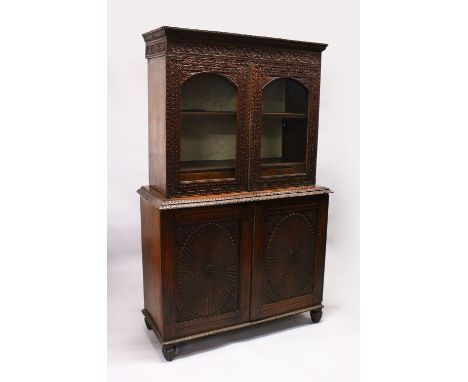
(162, 203)
(230, 38)
(156, 48)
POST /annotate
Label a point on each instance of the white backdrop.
(328, 351)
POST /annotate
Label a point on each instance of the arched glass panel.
(208, 128)
(284, 128)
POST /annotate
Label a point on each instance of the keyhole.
(209, 270)
(292, 255)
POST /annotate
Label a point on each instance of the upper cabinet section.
(230, 113)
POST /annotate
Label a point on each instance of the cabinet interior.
(284, 128)
(208, 128)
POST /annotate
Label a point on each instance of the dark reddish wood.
(249, 63)
(160, 201)
(206, 268)
(210, 267)
(169, 352)
(151, 254)
(316, 315)
(211, 165)
(227, 244)
(156, 40)
(289, 255)
(308, 74)
(207, 177)
(287, 168)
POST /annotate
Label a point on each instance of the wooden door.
(289, 255)
(284, 123)
(207, 268)
(206, 124)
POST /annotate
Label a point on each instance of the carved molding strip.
(156, 48)
(226, 329)
(244, 197)
(230, 38)
(155, 34)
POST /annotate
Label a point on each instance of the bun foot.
(169, 352)
(316, 315)
(147, 323)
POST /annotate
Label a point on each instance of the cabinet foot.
(316, 315)
(147, 323)
(169, 352)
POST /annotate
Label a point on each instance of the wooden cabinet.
(211, 267)
(233, 224)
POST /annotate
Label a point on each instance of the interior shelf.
(207, 165)
(286, 115)
(277, 162)
(208, 113)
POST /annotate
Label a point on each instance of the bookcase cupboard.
(233, 224)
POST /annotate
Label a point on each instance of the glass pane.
(284, 128)
(208, 128)
(208, 92)
(285, 96)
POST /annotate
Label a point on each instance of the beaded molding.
(230, 199)
(222, 330)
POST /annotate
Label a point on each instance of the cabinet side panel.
(157, 122)
(151, 253)
(322, 245)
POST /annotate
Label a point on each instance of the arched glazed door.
(208, 128)
(206, 121)
(284, 129)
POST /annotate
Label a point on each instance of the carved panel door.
(289, 255)
(208, 268)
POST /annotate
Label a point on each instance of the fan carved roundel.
(208, 272)
(290, 258)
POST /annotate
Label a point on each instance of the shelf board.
(276, 162)
(207, 165)
(208, 113)
(286, 115)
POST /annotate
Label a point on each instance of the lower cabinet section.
(209, 269)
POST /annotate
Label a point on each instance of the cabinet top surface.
(224, 37)
(159, 201)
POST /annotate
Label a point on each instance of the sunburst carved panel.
(208, 270)
(290, 256)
